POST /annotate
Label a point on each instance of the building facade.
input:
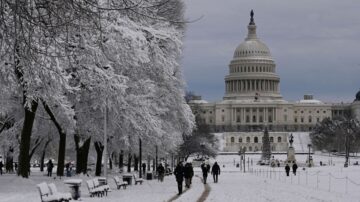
(253, 100)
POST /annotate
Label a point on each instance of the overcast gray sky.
(315, 44)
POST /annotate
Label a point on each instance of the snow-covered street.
(270, 184)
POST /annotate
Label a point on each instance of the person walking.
(161, 172)
(294, 167)
(144, 168)
(188, 174)
(287, 169)
(205, 168)
(1, 166)
(50, 166)
(179, 175)
(215, 171)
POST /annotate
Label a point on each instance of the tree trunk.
(110, 161)
(85, 154)
(121, 160)
(129, 163)
(99, 152)
(136, 163)
(61, 155)
(62, 142)
(148, 163)
(43, 155)
(24, 160)
(140, 159)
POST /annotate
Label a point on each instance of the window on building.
(285, 117)
(248, 139)
(238, 119)
(324, 112)
(271, 139)
(256, 148)
(261, 119)
(222, 110)
(256, 140)
(295, 112)
(273, 148)
(310, 119)
(240, 139)
(302, 119)
(279, 139)
(317, 119)
(317, 111)
(210, 120)
(295, 119)
(270, 119)
(210, 112)
(254, 119)
(254, 110)
(247, 119)
(250, 148)
(232, 139)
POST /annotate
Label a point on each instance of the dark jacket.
(1, 164)
(205, 168)
(50, 166)
(287, 168)
(215, 169)
(188, 170)
(179, 173)
(294, 167)
(161, 169)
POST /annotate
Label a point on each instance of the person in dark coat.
(179, 175)
(287, 169)
(50, 166)
(205, 168)
(144, 168)
(294, 167)
(1, 166)
(161, 172)
(215, 171)
(188, 174)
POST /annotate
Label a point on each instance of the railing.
(311, 179)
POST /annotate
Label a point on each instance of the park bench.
(105, 187)
(138, 180)
(63, 196)
(93, 190)
(120, 182)
(47, 195)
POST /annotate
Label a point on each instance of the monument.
(291, 152)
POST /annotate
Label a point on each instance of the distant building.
(252, 101)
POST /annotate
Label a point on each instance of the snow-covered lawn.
(325, 183)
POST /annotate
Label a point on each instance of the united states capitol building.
(253, 101)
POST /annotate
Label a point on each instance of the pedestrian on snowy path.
(215, 171)
(161, 172)
(50, 166)
(287, 169)
(205, 168)
(188, 174)
(1, 166)
(179, 175)
(294, 167)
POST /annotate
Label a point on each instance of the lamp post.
(244, 150)
(309, 146)
(240, 159)
(105, 138)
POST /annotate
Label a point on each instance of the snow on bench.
(138, 180)
(120, 182)
(48, 194)
(94, 190)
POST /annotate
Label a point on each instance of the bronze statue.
(252, 17)
(291, 139)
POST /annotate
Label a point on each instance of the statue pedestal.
(290, 156)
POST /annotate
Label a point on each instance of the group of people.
(287, 169)
(187, 172)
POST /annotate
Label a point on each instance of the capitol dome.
(251, 48)
(252, 70)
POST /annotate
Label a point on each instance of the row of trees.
(337, 134)
(63, 62)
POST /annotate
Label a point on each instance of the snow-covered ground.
(321, 183)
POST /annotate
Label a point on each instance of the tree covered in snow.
(201, 142)
(122, 55)
(341, 133)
